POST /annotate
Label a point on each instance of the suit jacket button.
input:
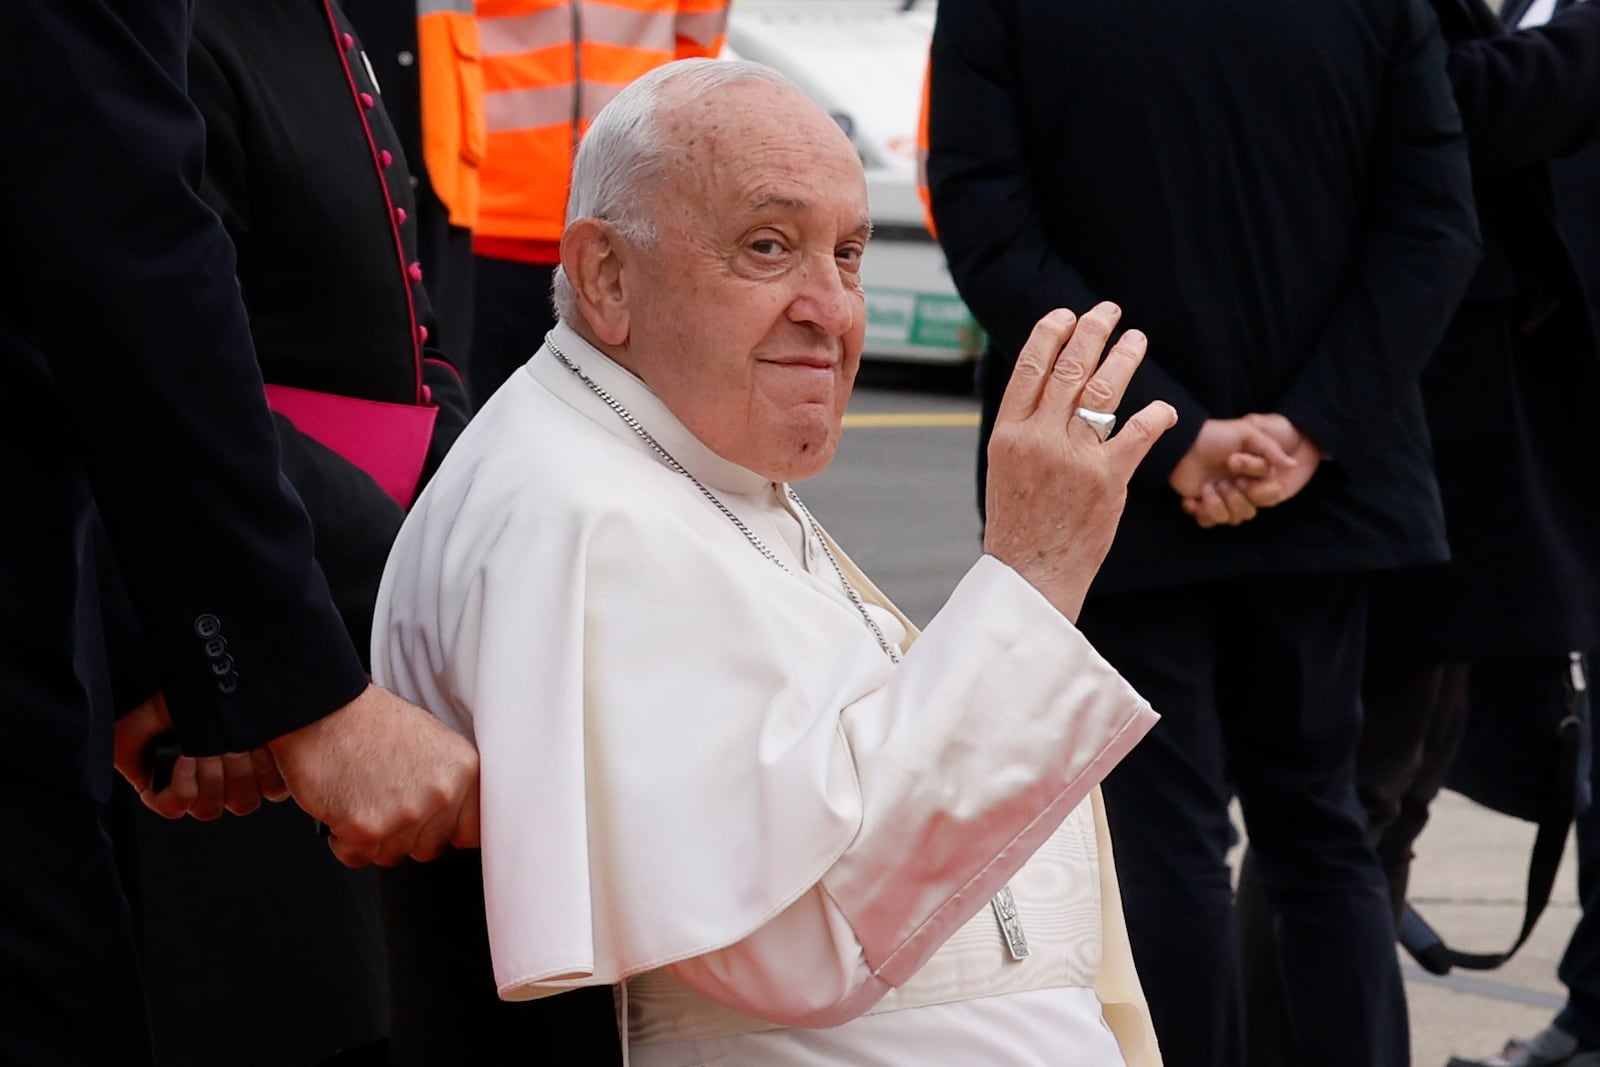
(207, 626)
(229, 684)
(222, 665)
(216, 647)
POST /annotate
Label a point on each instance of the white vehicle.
(863, 61)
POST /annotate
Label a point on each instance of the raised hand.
(1056, 491)
(386, 778)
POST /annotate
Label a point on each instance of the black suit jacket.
(1276, 194)
(132, 397)
(1509, 393)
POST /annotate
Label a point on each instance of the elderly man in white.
(716, 773)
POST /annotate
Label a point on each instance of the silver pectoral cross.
(1005, 909)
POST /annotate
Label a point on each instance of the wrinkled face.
(746, 315)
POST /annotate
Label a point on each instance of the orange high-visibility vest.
(448, 68)
(549, 66)
(922, 152)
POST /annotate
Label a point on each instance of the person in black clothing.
(1508, 396)
(148, 464)
(309, 179)
(1277, 196)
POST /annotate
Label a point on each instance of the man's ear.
(592, 256)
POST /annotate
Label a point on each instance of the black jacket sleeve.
(1419, 250)
(120, 274)
(1528, 96)
(985, 209)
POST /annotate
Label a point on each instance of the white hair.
(623, 154)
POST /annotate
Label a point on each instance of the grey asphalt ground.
(900, 499)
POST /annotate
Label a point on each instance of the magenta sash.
(388, 441)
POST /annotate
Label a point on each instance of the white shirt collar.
(634, 395)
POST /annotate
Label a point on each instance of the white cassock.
(704, 779)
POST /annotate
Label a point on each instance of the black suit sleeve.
(119, 272)
(1528, 96)
(986, 211)
(1419, 250)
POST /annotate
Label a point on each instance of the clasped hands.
(387, 779)
(1238, 466)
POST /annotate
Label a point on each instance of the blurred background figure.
(1566, 89)
(310, 180)
(549, 66)
(1577, 1026)
(1278, 196)
(1509, 397)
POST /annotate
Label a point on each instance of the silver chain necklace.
(750, 535)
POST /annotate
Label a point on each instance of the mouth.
(804, 362)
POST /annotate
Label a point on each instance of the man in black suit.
(1277, 195)
(144, 458)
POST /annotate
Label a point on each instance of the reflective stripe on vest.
(526, 33)
(549, 67)
(527, 109)
(600, 24)
(703, 30)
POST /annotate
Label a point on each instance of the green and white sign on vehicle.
(938, 323)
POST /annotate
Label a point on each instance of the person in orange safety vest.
(548, 67)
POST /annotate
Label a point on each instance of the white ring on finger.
(1101, 422)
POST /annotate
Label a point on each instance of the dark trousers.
(443, 1006)
(73, 992)
(512, 313)
(1414, 716)
(263, 888)
(1257, 684)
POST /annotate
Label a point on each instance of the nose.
(825, 300)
